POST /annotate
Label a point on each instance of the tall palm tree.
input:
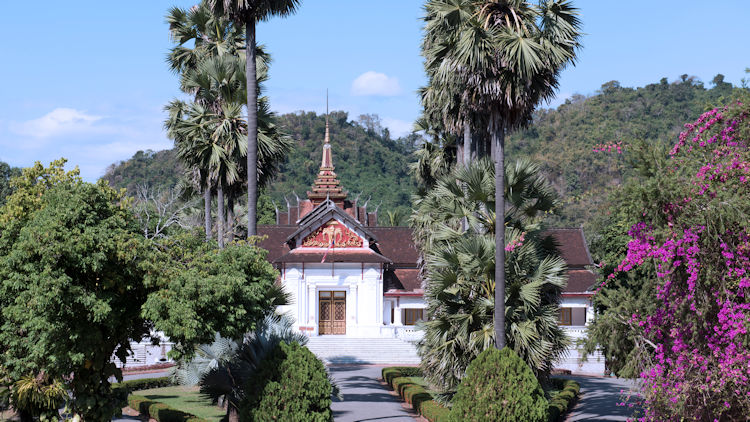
(248, 13)
(460, 266)
(507, 56)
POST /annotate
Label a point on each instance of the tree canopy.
(79, 282)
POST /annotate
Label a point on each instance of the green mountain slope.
(563, 140)
(370, 163)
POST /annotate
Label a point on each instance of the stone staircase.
(380, 351)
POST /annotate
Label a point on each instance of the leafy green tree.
(248, 13)
(79, 282)
(499, 387)
(507, 55)
(6, 173)
(454, 225)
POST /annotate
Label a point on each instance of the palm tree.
(460, 267)
(506, 55)
(247, 13)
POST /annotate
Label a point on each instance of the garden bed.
(175, 404)
(412, 388)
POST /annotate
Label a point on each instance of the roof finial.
(327, 138)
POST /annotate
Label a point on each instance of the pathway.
(599, 399)
(365, 399)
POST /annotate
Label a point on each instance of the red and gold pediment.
(332, 234)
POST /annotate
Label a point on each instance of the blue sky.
(86, 79)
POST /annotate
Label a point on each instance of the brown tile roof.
(334, 255)
(402, 279)
(572, 246)
(397, 244)
(274, 243)
(580, 281)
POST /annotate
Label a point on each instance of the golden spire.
(326, 186)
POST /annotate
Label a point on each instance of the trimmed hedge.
(160, 411)
(392, 372)
(400, 378)
(145, 383)
(564, 400)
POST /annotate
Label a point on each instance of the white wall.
(363, 285)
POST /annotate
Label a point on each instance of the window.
(411, 316)
(565, 317)
(572, 316)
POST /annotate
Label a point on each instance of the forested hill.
(369, 162)
(563, 139)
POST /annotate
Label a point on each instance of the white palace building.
(348, 277)
(355, 286)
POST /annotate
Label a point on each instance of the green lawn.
(187, 399)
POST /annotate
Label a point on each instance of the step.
(345, 350)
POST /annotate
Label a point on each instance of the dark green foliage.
(404, 380)
(160, 170)
(564, 400)
(392, 372)
(562, 139)
(144, 383)
(290, 385)
(70, 285)
(500, 387)
(434, 411)
(160, 411)
(206, 291)
(6, 173)
(79, 282)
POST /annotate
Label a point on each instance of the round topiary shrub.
(290, 385)
(499, 386)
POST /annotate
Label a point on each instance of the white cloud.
(60, 121)
(398, 128)
(376, 84)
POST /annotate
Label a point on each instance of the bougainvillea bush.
(696, 234)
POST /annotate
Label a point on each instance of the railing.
(575, 331)
(408, 333)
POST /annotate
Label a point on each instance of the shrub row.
(160, 411)
(564, 400)
(400, 379)
(144, 384)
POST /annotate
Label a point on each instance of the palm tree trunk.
(498, 154)
(230, 218)
(467, 145)
(252, 126)
(207, 211)
(220, 217)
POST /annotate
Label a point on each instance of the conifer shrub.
(290, 385)
(499, 386)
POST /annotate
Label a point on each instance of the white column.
(355, 301)
(387, 312)
(311, 305)
(397, 316)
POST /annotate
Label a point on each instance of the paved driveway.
(365, 399)
(599, 399)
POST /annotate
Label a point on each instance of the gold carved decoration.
(332, 234)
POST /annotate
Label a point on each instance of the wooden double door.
(332, 312)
